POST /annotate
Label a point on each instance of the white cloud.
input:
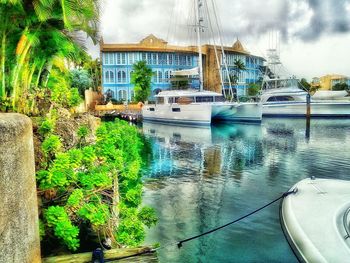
(315, 33)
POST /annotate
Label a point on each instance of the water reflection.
(200, 178)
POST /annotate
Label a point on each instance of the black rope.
(179, 244)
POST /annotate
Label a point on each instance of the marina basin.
(315, 220)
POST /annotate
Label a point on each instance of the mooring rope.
(179, 243)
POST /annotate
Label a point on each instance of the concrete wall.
(19, 232)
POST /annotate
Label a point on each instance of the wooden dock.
(113, 255)
(128, 112)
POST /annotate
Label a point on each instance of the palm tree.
(39, 31)
(141, 78)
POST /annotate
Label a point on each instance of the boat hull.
(237, 112)
(188, 114)
(313, 220)
(298, 109)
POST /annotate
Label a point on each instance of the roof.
(155, 44)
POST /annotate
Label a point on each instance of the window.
(122, 94)
(281, 98)
(123, 76)
(118, 59)
(160, 100)
(149, 59)
(189, 61)
(176, 109)
(108, 58)
(184, 100)
(109, 76)
(123, 55)
(219, 98)
(119, 77)
(144, 56)
(154, 59)
(170, 59)
(166, 76)
(160, 77)
(176, 59)
(204, 99)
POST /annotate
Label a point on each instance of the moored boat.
(284, 98)
(316, 220)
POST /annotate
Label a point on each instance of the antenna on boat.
(199, 28)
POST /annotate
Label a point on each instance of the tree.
(253, 89)
(306, 85)
(33, 34)
(81, 80)
(141, 77)
(94, 69)
(341, 86)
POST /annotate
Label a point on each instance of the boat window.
(176, 109)
(184, 100)
(281, 98)
(160, 100)
(171, 100)
(204, 99)
(151, 109)
(219, 98)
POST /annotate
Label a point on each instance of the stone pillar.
(19, 228)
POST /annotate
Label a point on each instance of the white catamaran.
(199, 107)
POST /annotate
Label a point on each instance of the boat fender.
(97, 256)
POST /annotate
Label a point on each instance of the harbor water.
(201, 178)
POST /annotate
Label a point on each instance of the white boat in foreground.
(316, 220)
(283, 98)
(199, 108)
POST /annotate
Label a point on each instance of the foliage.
(62, 95)
(306, 85)
(81, 80)
(253, 89)
(33, 34)
(51, 145)
(58, 219)
(46, 127)
(85, 178)
(141, 77)
(340, 86)
(93, 67)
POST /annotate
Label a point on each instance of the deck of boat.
(315, 220)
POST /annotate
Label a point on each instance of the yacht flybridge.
(199, 107)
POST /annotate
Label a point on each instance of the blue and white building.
(118, 59)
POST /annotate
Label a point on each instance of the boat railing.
(346, 223)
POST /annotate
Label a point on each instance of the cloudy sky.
(313, 36)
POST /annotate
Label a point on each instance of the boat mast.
(199, 28)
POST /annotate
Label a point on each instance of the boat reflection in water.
(201, 178)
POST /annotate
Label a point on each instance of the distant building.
(118, 59)
(327, 82)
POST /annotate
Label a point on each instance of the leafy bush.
(85, 179)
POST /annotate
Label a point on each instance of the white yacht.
(284, 98)
(316, 220)
(199, 107)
